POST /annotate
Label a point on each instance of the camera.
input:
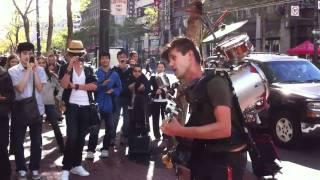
(32, 59)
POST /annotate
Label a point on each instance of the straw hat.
(76, 46)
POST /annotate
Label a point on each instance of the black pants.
(53, 117)
(156, 109)
(5, 168)
(19, 132)
(218, 166)
(94, 134)
(77, 118)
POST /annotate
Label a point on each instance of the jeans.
(77, 118)
(5, 167)
(19, 132)
(156, 109)
(121, 103)
(53, 116)
(94, 134)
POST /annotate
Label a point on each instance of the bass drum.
(251, 86)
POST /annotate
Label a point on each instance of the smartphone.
(31, 60)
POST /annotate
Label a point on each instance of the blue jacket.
(104, 100)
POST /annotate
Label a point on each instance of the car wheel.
(286, 130)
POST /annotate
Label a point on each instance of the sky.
(59, 11)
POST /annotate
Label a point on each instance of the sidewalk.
(116, 167)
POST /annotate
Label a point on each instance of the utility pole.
(316, 29)
(104, 25)
(38, 29)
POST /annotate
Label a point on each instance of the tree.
(69, 22)
(24, 16)
(84, 4)
(50, 27)
(152, 17)
(59, 39)
(131, 30)
(13, 35)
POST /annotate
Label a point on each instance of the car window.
(291, 71)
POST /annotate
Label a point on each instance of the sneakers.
(104, 154)
(35, 174)
(90, 155)
(22, 175)
(65, 175)
(79, 170)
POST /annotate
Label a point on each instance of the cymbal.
(225, 30)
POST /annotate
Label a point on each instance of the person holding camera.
(28, 78)
(218, 150)
(79, 83)
(109, 87)
(139, 88)
(158, 96)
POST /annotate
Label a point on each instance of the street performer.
(218, 150)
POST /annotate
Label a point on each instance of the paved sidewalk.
(116, 167)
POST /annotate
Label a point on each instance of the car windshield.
(291, 72)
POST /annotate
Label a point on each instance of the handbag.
(26, 111)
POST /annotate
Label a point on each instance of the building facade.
(271, 27)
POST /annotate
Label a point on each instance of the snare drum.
(235, 48)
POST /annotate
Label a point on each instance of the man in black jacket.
(6, 98)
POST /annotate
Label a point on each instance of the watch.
(76, 86)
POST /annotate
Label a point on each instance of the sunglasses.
(137, 71)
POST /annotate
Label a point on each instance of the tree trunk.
(50, 27)
(69, 23)
(17, 34)
(26, 27)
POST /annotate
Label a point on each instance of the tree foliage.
(59, 39)
(151, 15)
(24, 15)
(84, 4)
(131, 30)
(14, 35)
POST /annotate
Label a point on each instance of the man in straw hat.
(79, 83)
(218, 148)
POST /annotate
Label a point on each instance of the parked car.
(294, 96)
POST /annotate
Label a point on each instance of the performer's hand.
(171, 127)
